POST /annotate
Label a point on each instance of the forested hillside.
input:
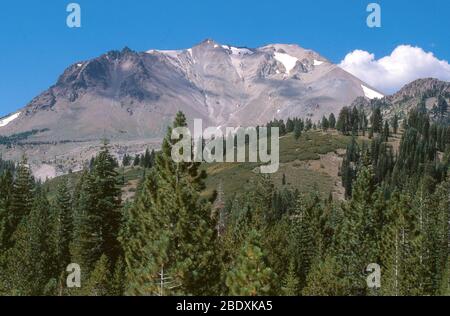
(268, 239)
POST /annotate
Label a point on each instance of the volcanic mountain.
(131, 97)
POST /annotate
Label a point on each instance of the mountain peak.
(127, 50)
(131, 97)
(207, 42)
(424, 86)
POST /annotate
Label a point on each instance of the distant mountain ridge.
(431, 93)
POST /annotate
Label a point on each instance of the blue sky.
(36, 45)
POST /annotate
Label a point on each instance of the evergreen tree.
(98, 283)
(355, 121)
(108, 202)
(21, 197)
(6, 187)
(251, 276)
(391, 246)
(290, 126)
(436, 237)
(176, 232)
(64, 226)
(137, 161)
(32, 260)
(377, 120)
(325, 124)
(303, 237)
(386, 132)
(332, 121)
(352, 250)
(297, 130)
(363, 122)
(99, 218)
(87, 244)
(395, 124)
(344, 122)
(291, 282)
(442, 106)
(324, 279)
(126, 161)
(308, 125)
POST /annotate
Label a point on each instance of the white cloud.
(390, 73)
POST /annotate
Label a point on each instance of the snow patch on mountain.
(317, 62)
(287, 60)
(9, 119)
(238, 51)
(371, 94)
(172, 53)
(191, 54)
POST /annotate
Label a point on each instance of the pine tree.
(32, 259)
(108, 202)
(176, 232)
(377, 120)
(391, 246)
(147, 159)
(98, 215)
(290, 126)
(343, 124)
(87, 238)
(332, 121)
(98, 283)
(395, 123)
(64, 226)
(442, 106)
(291, 283)
(352, 249)
(354, 121)
(250, 276)
(363, 122)
(386, 132)
(325, 123)
(324, 279)
(436, 237)
(117, 285)
(137, 160)
(6, 187)
(297, 131)
(304, 238)
(21, 197)
(126, 160)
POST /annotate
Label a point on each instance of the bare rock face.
(129, 96)
(432, 94)
(422, 87)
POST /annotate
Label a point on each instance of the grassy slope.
(301, 163)
(295, 163)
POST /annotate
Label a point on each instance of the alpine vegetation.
(209, 145)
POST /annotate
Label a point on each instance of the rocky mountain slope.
(432, 94)
(130, 97)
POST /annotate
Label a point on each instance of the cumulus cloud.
(390, 73)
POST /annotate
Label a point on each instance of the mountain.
(130, 97)
(432, 94)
